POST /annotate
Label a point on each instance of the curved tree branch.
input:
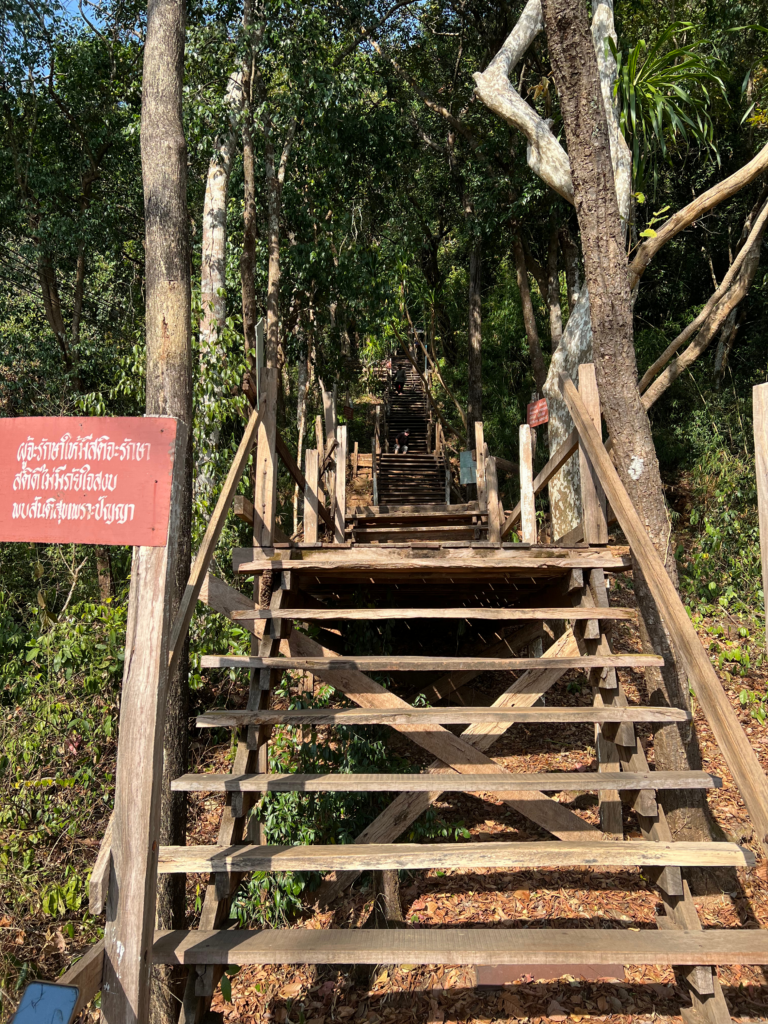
(697, 208)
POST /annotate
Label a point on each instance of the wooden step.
(489, 782)
(485, 946)
(440, 716)
(502, 856)
(493, 614)
(511, 561)
(419, 663)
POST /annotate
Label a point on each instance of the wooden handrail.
(210, 540)
(730, 736)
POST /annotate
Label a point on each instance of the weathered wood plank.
(760, 427)
(341, 486)
(489, 561)
(490, 782)
(311, 505)
(494, 505)
(491, 614)
(265, 463)
(504, 855)
(594, 520)
(98, 883)
(85, 975)
(414, 663)
(482, 494)
(440, 716)
(561, 946)
(527, 497)
(727, 730)
(554, 465)
(207, 549)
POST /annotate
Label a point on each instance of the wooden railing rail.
(742, 761)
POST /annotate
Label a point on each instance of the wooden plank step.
(382, 511)
(488, 782)
(419, 663)
(440, 716)
(561, 946)
(493, 614)
(386, 856)
(496, 561)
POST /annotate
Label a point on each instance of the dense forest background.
(385, 195)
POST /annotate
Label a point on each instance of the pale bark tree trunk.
(169, 392)
(571, 261)
(550, 162)
(553, 289)
(275, 176)
(588, 135)
(538, 368)
(475, 368)
(248, 257)
(213, 298)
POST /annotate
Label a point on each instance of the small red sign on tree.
(538, 413)
(89, 480)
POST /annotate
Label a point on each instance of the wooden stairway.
(437, 582)
(415, 478)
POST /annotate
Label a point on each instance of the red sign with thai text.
(537, 413)
(86, 480)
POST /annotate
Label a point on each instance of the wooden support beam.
(726, 728)
(133, 877)
(495, 514)
(265, 467)
(311, 504)
(527, 496)
(482, 494)
(341, 486)
(760, 427)
(554, 465)
(207, 549)
(85, 975)
(593, 512)
(98, 884)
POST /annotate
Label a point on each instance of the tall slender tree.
(169, 390)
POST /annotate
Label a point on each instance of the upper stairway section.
(415, 477)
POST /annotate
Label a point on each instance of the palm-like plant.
(665, 94)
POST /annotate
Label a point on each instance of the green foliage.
(665, 94)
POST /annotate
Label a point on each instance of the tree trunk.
(387, 911)
(553, 289)
(587, 132)
(538, 368)
(248, 257)
(169, 393)
(571, 260)
(272, 338)
(475, 368)
(213, 299)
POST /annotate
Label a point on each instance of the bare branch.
(690, 214)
